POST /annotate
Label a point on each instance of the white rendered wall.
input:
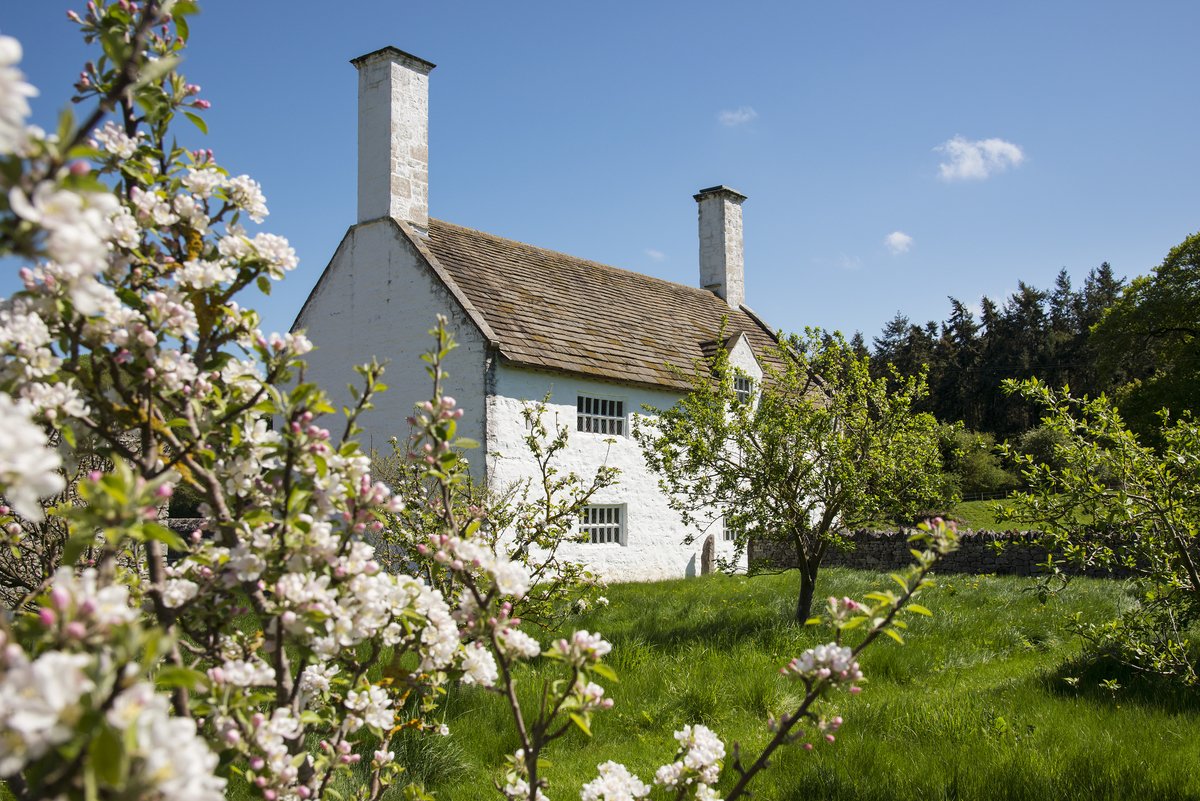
(653, 546)
(379, 298)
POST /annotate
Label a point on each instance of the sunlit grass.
(976, 706)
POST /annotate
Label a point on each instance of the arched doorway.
(706, 556)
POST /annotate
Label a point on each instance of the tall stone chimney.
(722, 265)
(393, 137)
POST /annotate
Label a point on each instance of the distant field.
(978, 515)
(981, 703)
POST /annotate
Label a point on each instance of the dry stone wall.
(1021, 555)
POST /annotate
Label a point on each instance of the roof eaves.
(529, 364)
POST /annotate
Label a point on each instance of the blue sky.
(587, 128)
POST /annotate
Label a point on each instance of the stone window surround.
(603, 523)
(600, 414)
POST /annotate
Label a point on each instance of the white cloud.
(848, 263)
(655, 255)
(731, 118)
(975, 160)
(898, 242)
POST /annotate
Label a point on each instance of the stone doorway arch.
(706, 555)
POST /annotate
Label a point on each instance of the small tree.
(1115, 502)
(526, 521)
(824, 446)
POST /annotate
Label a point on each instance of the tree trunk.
(808, 585)
(809, 565)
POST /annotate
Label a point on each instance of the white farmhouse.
(530, 323)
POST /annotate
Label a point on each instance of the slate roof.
(552, 311)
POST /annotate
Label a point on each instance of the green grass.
(976, 706)
(979, 515)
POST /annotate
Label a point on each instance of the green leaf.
(920, 610)
(171, 676)
(813, 621)
(157, 531)
(79, 540)
(604, 670)
(579, 721)
(198, 121)
(107, 755)
(66, 125)
(895, 635)
(155, 70)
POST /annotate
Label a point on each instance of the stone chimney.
(393, 137)
(722, 266)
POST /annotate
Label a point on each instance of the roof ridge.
(590, 262)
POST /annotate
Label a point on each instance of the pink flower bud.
(257, 763)
(47, 616)
(60, 598)
(78, 168)
(303, 792)
(202, 104)
(76, 630)
(232, 736)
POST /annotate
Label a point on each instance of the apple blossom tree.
(823, 447)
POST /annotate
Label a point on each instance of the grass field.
(979, 515)
(977, 705)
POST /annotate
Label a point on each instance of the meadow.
(988, 699)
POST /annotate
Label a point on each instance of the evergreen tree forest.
(1135, 341)
(1036, 332)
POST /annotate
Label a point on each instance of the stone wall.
(889, 550)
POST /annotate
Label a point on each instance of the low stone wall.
(889, 550)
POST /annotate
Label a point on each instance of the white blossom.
(276, 252)
(582, 649)
(178, 592)
(204, 274)
(615, 783)
(830, 661)
(78, 229)
(54, 400)
(103, 606)
(519, 645)
(479, 666)
(204, 181)
(39, 702)
(14, 95)
(28, 466)
(374, 705)
(169, 755)
(113, 139)
(246, 194)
